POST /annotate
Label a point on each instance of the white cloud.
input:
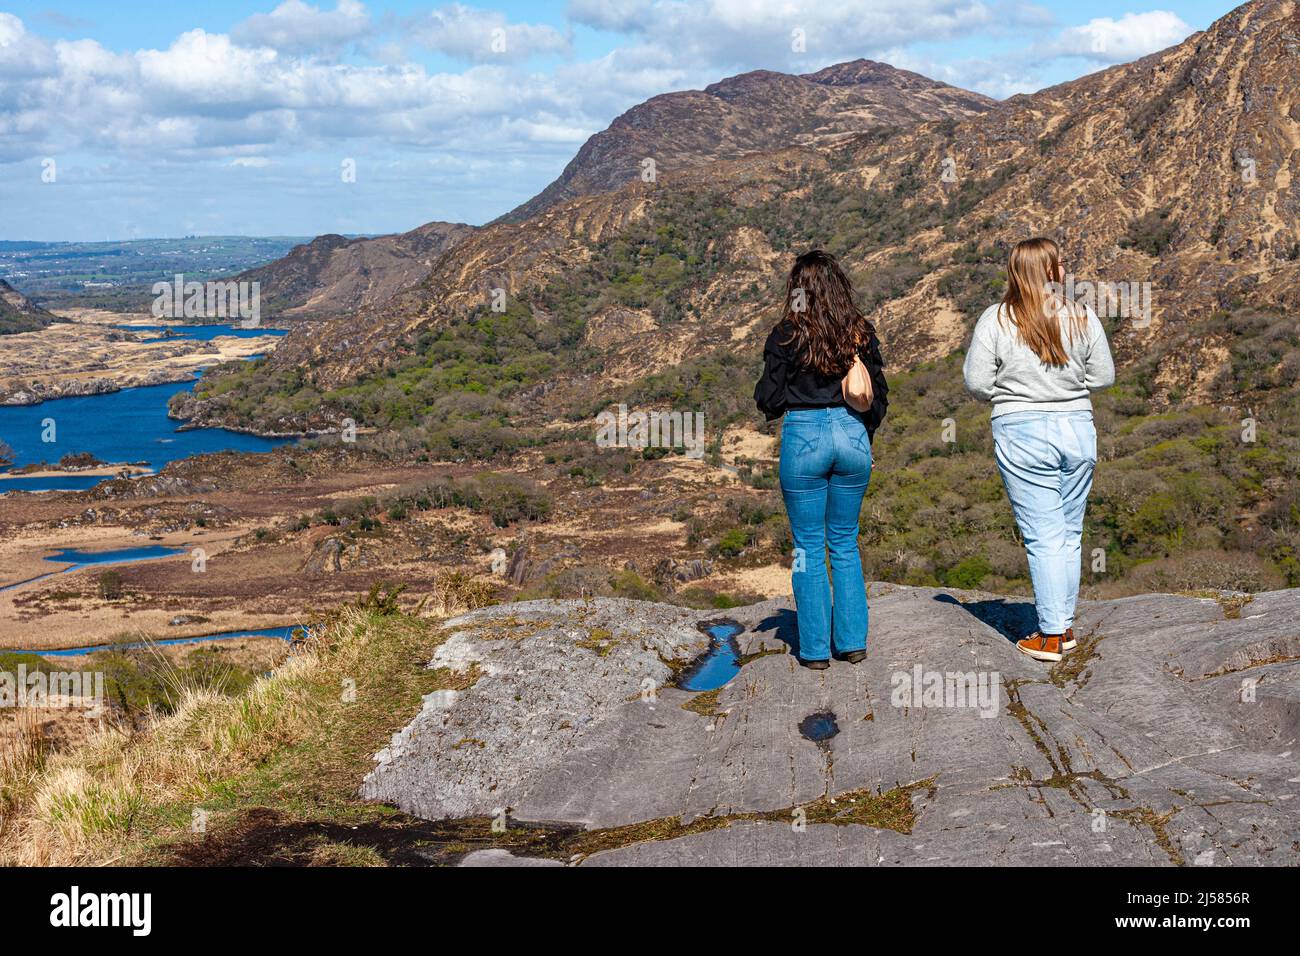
(206, 93)
(618, 16)
(483, 36)
(998, 77)
(549, 130)
(297, 27)
(781, 34)
(328, 79)
(1132, 36)
(201, 69)
(22, 54)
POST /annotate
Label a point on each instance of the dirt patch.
(769, 581)
(265, 837)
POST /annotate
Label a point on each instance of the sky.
(162, 118)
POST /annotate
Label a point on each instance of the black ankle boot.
(815, 665)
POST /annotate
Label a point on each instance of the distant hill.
(118, 275)
(332, 275)
(18, 313)
(752, 112)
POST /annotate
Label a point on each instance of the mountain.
(1140, 171)
(333, 275)
(752, 112)
(18, 313)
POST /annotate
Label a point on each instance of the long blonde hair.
(1033, 300)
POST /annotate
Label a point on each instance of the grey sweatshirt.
(1002, 369)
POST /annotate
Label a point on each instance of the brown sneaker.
(1069, 643)
(1042, 647)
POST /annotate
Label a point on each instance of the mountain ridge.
(1086, 161)
(739, 114)
(332, 276)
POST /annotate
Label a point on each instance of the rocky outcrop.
(1168, 737)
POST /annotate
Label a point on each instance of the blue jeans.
(825, 467)
(1047, 460)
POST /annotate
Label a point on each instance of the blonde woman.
(1036, 356)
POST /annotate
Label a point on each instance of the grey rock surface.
(495, 857)
(1168, 737)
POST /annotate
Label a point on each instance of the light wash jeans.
(1047, 460)
(825, 467)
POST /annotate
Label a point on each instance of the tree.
(110, 586)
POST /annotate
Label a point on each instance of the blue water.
(126, 426)
(61, 483)
(201, 333)
(719, 664)
(84, 559)
(284, 633)
(819, 727)
(79, 559)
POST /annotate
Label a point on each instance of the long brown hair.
(1033, 299)
(824, 322)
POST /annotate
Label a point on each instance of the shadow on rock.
(785, 625)
(1014, 620)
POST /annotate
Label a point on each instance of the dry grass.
(122, 791)
(456, 590)
(23, 754)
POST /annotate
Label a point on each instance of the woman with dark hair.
(812, 379)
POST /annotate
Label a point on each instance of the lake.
(282, 633)
(78, 559)
(200, 333)
(126, 426)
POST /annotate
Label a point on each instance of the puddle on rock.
(720, 663)
(819, 727)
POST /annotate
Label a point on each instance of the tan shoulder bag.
(856, 385)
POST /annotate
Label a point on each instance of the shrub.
(110, 585)
(732, 543)
(503, 497)
(629, 584)
(968, 573)
(1151, 233)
